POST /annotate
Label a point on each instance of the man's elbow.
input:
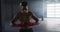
(37, 20)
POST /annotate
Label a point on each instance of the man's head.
(25, 6)
(24, 3)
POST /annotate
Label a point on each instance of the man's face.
(25, 9)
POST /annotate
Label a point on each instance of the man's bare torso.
(25, 16)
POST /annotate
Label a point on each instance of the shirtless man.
(24, 16)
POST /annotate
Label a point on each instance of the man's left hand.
(36, 23)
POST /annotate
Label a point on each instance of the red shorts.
(22, 24)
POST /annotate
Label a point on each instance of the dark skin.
(25, 17)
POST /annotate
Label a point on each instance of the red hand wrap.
(22, 24)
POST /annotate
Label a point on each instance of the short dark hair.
(24, 3)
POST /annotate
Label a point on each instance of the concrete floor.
(48, 25)
(53, 24)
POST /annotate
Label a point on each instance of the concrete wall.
(7, 11)
(9, 8)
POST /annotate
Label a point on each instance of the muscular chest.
(25, 15)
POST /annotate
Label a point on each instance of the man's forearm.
(37, 20)
(13, 22)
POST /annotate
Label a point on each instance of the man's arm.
(35, 18)
(15, 18)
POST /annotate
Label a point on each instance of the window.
(53, 10)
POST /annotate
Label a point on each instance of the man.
(24, 16)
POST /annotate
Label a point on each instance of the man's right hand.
(13, 25)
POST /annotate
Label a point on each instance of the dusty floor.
(48, 25)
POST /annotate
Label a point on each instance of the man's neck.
(24, 12)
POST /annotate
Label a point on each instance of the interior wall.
(9, 8)
(36, 7)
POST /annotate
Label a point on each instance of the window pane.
(53, 10)
(50, 15)
(58, 12)
(49, 7)
(50, 12)
(57, 4)
(57, 15)
(57, 8)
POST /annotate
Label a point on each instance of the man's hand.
(36, 23)
(13, 25)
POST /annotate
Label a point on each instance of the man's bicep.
(34, 17)
(16, 16)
